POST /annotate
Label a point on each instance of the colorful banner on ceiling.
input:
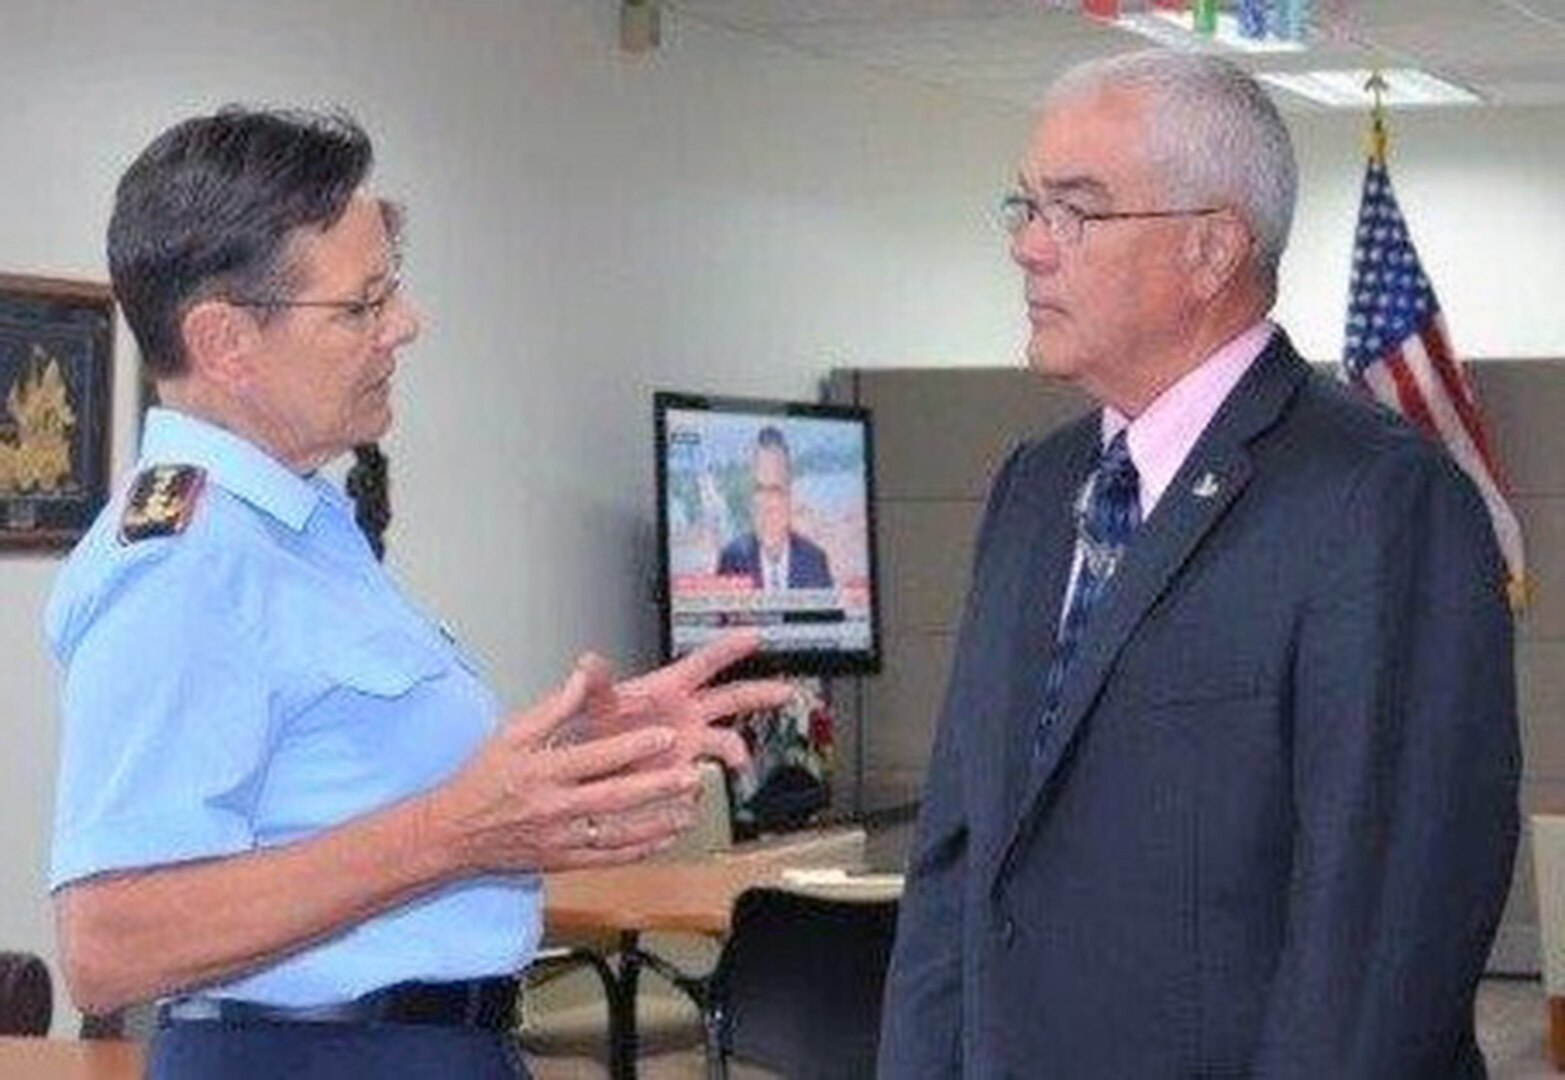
(1289, 20)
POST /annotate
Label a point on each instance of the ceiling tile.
(1510, 51)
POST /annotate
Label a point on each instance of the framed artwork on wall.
(56, 384)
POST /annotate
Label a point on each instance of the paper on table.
(814, 875)
(835, 877)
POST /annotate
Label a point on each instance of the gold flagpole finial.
(1516, 591)
(1378, 137)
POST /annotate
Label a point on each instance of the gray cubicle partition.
(941, 432)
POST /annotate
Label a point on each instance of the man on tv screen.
(772, 555)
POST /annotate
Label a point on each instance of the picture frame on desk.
(56, 408)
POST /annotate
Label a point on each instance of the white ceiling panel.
(1508, 51)
(972, 44)
(783, 14)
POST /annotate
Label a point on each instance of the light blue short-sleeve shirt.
(256, 680)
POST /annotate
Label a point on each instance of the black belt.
(476, 1003)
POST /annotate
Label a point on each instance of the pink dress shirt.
(1166, 431)
(1163, 435)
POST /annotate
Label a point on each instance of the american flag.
(1398, 351)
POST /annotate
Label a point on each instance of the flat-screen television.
(766, 518)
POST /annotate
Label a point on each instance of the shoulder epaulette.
(161, 502)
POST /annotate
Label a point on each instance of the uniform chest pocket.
(385, 664)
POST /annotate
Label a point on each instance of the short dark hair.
(208, 208)
(771, 437)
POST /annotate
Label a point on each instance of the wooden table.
(690, 895)
(66, 1059)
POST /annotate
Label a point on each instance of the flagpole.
(1378, 136)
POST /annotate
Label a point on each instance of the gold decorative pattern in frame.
(56, 378)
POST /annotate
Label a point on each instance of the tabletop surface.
(694, 895)
(68, 1059)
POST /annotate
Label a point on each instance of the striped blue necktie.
(1106, 517)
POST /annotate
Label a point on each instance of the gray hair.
(209, 207)
(1214, 134)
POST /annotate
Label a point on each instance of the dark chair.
(26, 995)
(797, 988)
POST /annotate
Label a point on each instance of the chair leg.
(625, 1040)
(613, 992)
(712, 1020)
(600, 967)
(695, 987)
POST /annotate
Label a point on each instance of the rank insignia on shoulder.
(161, 502)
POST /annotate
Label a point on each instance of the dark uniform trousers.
(301, 1050)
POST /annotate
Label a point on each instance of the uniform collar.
(170, 437)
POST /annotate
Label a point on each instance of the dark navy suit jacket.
(807, 565)
(1272, 830)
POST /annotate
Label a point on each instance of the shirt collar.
(1166, 431)
(779, 565)
(170, 437)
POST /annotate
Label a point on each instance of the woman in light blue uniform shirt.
(289, 808)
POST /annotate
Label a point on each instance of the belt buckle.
(192, 1008)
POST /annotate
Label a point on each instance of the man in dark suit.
(773, 556)
(1225, 783)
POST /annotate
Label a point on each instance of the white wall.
(723, 215)
(1482, 193)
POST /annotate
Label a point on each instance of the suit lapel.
(1212, 477)
(1048, 552)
